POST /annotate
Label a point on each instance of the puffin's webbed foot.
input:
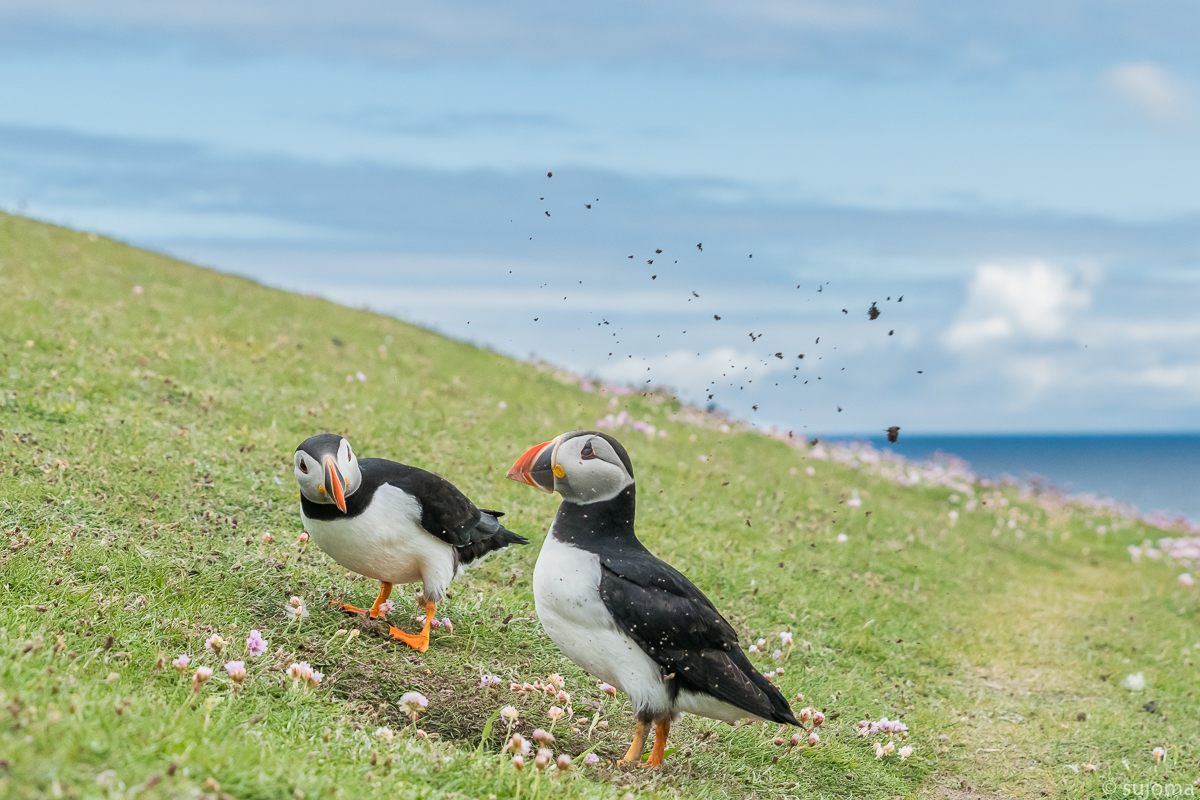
(349, 609)
(419, 641)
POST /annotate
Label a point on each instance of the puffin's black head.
(582, 466)
(327, 470)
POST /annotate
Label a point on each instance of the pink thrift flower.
(256, 645)
(447, 625)
(181, 663)
(200, 678)
(138, 290)
(563, 762)
(314, 679)
(591, 759)
(215, 643)
(611, 691)
(236, 670)
(303, 537)
(414, 703)
(300, 672)
(268, 538)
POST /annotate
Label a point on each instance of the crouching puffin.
(623, 615)
(391, 522)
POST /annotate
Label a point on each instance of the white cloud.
(684, 369)
(1150, 88)
(1032, 301)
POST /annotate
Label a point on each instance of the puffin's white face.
(587, 470)
(327, 470)
(582, 467)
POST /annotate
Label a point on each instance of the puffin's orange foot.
(347, 608)
(417, 641)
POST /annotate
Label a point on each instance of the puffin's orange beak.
(534, 467)
(335, 484)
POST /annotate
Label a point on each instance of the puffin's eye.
(303, 466)
(587, 451)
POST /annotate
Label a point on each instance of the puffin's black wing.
(445, 511)
(678, 627)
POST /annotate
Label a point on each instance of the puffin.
(393, 523)
(624, 615)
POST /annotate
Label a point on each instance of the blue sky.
(1025, 176)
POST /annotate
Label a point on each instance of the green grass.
(146, 448)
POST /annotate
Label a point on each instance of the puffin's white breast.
(566, 590)
(386, 542)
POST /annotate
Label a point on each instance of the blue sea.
(1152, 472)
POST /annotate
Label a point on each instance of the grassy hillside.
(146, 449)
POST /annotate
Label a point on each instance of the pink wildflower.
(414, 703)
(200, 678)
(236, 670)
(256, 645)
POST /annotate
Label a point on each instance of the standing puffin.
(622, 614)
(391, 522)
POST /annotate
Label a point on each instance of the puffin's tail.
(492, 536)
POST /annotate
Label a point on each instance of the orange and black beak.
(335, 484)
(536, 467)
